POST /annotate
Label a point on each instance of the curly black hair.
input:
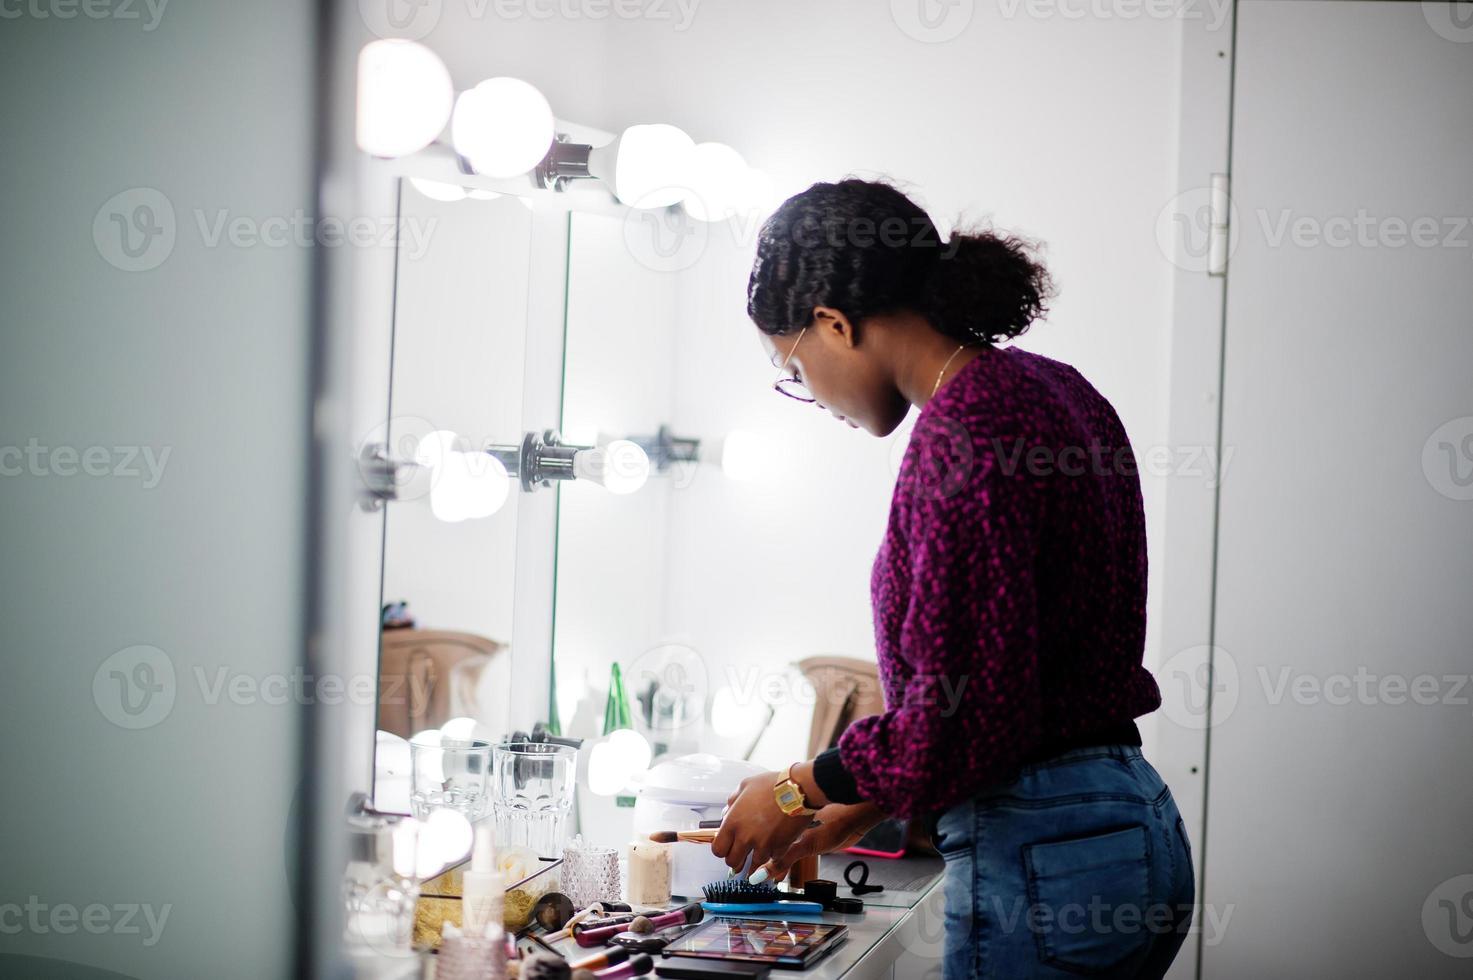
(863, 247)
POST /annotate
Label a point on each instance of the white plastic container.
(678, 794)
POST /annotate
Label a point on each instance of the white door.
(1340, 792)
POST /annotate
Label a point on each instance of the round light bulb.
(468, 486)
(437, 190)
(503, 126)
(653, 164)
(444, 839)
(615, 760)
(404, 97)
(621, 466)
(427, 755)
(744, 456)
(434, 446)
(626, 466)
(462, 730)
(728, 718)
(719, 182)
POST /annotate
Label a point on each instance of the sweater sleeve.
(969, 711)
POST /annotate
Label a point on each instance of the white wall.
(191, 808)
(1002, 121)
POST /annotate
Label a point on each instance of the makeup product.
(820, 890)
(599, 921)
(637, 966)
(483, 887)
(703, 836)
(688, 969)
(567, 929)
(774, 942)
(605, 907)
(544, 966)
(804, 870)
(736, 897)
(848, 906)
(639, 942)
(649, 873)
(685, 915)
(553, 911)
(604, 958)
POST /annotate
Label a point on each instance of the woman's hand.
(754, 826)
(839, 826)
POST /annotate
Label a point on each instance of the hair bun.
(985, 286)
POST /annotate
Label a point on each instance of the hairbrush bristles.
(737, 891)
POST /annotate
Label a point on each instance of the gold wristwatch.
(789, 796)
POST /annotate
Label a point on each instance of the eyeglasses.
(788, 385)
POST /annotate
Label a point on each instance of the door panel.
(1341, 787)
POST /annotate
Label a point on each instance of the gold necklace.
(942, 373)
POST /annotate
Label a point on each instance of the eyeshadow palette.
(777, 942)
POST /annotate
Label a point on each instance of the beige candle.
(649, 873)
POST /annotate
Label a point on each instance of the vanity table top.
(877, 936)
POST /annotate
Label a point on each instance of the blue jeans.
(1079, 866)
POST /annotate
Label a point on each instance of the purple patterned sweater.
(1009, 593)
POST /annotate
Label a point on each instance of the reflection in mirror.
(460, 296)
(612, 550)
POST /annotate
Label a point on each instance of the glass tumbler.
(448, 774)
(532, 792)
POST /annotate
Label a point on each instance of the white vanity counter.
(898, 935)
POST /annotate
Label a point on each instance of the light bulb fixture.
(745, 456)
(645, 166)
(665, 449)
(620, 467)
(404, 97)
(502, 127)
(465, 484)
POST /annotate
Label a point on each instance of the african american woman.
(1009, 600)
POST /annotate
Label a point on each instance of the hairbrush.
(733, 896)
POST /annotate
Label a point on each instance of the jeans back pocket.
(1088, 899)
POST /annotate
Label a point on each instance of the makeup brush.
(703, 836)
(684, 916)
(551, 966)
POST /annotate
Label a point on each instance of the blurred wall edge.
(156, 505)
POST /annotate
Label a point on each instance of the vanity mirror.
(449, 553)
